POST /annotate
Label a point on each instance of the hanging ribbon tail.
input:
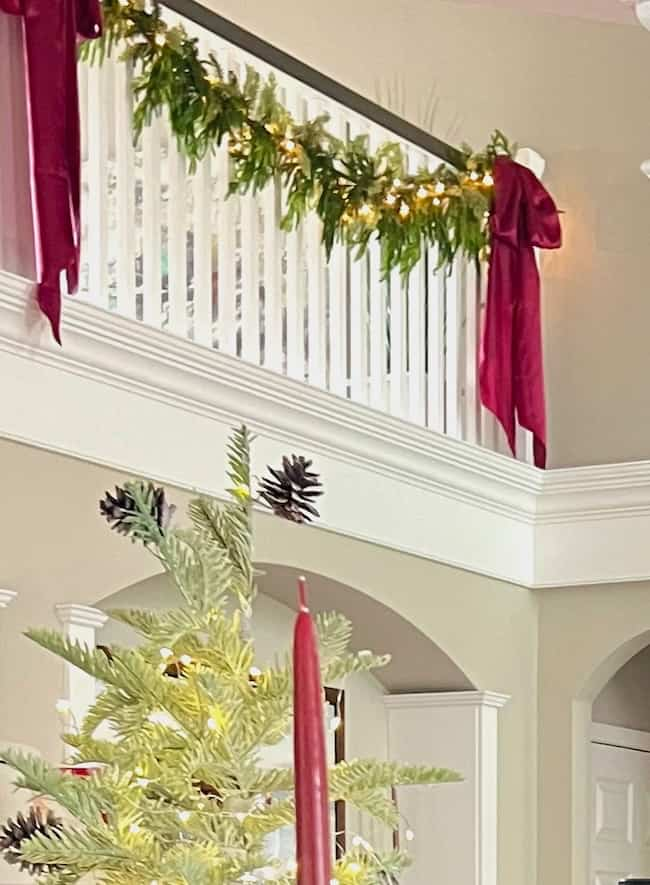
(523, 217)
(50, 41)
(49, 301)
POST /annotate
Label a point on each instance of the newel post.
(80, 624)
(454, 825)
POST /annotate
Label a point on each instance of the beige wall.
(56, 549)
(577, 92)
(586, 634)
(625, 700)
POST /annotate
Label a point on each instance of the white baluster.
(435, 345)
(396, 343)
(125, 189)
(151, 225)
(338, 296)
(471, 403)
(273, 348)
(358, 353)
(250, 286)
(453, 338)
(176, 239)
(315, 256)
(295, 275)
(97, 205)
(378, 296)
(226, 222)
(416, 321)
(202, 184)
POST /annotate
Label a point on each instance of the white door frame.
(615, 736)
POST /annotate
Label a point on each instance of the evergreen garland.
(356, 194)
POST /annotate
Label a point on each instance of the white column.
(454, 825)
(6, 596)
(80, 624)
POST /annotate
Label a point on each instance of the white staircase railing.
(168, 249)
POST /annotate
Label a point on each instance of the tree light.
(184, 816)
(421, 192)
(166, 653)
(186, 660)
(404, 210)
(409, 835)
(354, 867)
(488, 181)
(255, 672)
(134, 828)
(390, 199)
(440, 188)
(212, 725)
(62, 706)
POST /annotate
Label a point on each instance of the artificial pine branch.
(180, 793)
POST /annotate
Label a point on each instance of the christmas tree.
(180, 794)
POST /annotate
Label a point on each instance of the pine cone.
(20, 830)
(122, 513)
(292, 489)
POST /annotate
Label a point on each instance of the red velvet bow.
(51, 28)
(512, 373)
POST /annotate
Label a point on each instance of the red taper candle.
(313, 852)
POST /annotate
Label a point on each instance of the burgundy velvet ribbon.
(512, 371)
(51, 29)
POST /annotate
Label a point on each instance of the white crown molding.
(457, 504)
(7, 596)
(425, 700)
(73, 615)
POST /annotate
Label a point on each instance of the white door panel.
(620, 820)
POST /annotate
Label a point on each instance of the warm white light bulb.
(410, 835)
(645, 168)
(166, 653)
(62, 706)
(184, 816)
(186, 660)
(134, 828)
(212, 725)
(354, 867)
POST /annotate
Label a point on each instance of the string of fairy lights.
(351, 868)
(359, 195)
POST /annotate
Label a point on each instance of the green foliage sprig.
(358, 195)
(180, 794)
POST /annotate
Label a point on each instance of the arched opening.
(421, 708)
(611, 767)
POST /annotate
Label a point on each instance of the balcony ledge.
(415, 490)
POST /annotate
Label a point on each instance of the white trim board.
(415, 490)
(615, 736)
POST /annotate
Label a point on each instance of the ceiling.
(615, 11)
